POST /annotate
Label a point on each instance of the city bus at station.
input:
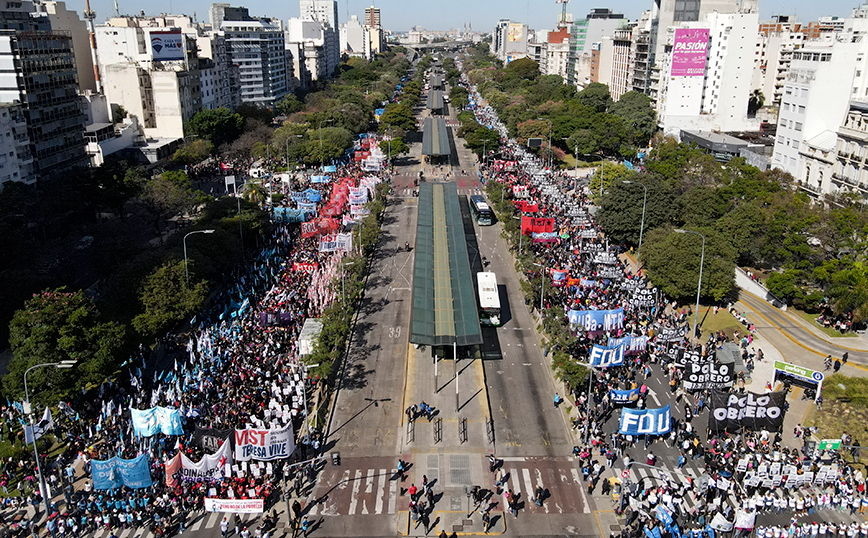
(481, 211)
(489, 300)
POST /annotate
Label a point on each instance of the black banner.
(610, 272)
(670, 334)
(592, 248)
(210, 439)
(750, 411)
(706, 374)
(644, 298)
(605, 258)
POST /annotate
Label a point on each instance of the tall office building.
(374, 27)
(257, 45)
(40, 74)
(372, 17)
(324, 12)
(583, 35)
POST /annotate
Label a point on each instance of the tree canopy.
(59, 325)
(167, 299)
(219, 126)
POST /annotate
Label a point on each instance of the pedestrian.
(837, 365)
(492, 463)
(224, 526)
(412, 491)
(845, 357)
(305, 526)
(486, 522)
(401, 470)
(538, 496)
(558, 400)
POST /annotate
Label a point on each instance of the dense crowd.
(239, 366)
(728, 459)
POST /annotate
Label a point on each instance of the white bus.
(489, 300)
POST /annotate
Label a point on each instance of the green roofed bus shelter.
(444, 311)
(435, 140)
(437, 82)
(435, 101)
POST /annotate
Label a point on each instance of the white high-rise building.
(324, 12)
(355, 39)
(705, 81)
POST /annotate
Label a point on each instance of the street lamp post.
(28, 408)
(699, 286)
(642, 225)
(186, 270)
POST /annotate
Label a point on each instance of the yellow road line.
(801, 345)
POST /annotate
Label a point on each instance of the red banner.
(526, 207)
(308, 229)
(305, 267)
(531, 225)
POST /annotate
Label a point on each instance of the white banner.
(264, 445)
(211, 467)
(345, 242)
(240, 506)
(40, 428)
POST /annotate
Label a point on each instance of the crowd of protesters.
(236, 367)
(726, 458)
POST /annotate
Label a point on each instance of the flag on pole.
(39, 428)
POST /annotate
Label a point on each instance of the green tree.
(193, 153)
(170, 192)
(290, 104)
(610, 174)
(482, 139)
(59, 325)
(635, 109)
(755, 102)
(595, 95)
(399, 115)
(620, 213)
(396, 146)
(167, 299)
(219, 126)
(672, 261)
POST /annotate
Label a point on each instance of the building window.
(798, 126)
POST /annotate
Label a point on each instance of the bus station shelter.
(443, 311)
(435, 101)
(435, 140)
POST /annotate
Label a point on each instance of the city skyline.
(448, 14)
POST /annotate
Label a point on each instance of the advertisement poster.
(689, 52)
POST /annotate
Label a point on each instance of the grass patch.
(723, 321)
(844, 410)
(811, 318)
(569, 162)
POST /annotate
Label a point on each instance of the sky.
(401, 15)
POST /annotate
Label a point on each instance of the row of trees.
(143, 287)
(586, 122)
(749, 218)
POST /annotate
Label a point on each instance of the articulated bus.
(481, 211)
(489, 300)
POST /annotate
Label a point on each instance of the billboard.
(515, 32)
(167, 45)
(689, 52)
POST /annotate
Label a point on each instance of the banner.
(264, 445)
(211, 468)
(605, 258)
(209, 439)
(670, 334)
(751, 411)
(720, 523)
(708, 375)
(235, 506)
(313, 195)
(328, 243)
(320, 179)
(544, 237)
(645, 421)
(308, 229)
(40, 428)
(292, 216)
(305, 267)
(297, 196)
(597, 320)
(689, 52)
(559, 277)
(634, 344)
(587, 283)
(117, 472)
(592, 248)
(611, 272)
(605, 356)
(621, 397)
(345, 242)
(148, 422)
(644, 298)
(531, 225)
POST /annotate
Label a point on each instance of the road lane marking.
(393, 494)
(381, 490)
(354, 497)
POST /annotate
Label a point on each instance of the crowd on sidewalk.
(239, 366)
(748, 472)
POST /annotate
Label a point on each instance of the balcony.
(809, 188)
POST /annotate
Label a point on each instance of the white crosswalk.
(657, 476)
(196, 522)
(371, 492)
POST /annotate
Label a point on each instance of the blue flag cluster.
(606, 356)
(645, 421)
(164, 420)
(117, 472)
